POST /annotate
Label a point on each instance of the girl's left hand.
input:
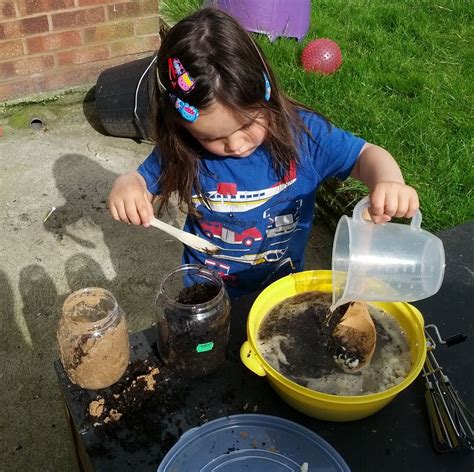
(389, 199)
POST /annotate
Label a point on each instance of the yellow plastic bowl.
(316, 404)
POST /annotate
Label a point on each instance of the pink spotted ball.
(321, 55)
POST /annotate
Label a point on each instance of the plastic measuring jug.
(384, 262)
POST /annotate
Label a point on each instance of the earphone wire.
(135, 108)
(160, 83)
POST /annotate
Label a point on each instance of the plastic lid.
(257, 443)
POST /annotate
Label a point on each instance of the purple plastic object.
(272, 17)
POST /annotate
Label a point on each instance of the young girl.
(244, 159)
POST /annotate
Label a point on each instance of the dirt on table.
(135, 411)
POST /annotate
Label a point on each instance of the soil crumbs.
(136, 411)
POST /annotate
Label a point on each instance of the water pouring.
(388, 262)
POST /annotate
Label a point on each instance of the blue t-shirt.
(261, 223)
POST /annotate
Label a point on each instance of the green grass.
(405, 84)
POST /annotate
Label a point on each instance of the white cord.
(138, 88)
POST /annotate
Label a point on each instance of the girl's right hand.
(130, 201)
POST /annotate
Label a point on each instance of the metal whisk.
(451, 420)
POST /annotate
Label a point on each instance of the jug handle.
(365, 203)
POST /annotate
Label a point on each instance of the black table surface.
(396, 438)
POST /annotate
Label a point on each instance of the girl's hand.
(130, 201)
(389, 199)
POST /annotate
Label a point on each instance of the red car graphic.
(217, 230)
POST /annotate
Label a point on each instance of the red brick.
(7, 9)
(7, 70)
(86, 3)
(53, 41)
(58, 80)
(24, 27)
(135, 46)
(27, 66)
(81, 56)
(77, 74)
(147, 25)
(127, 9)
(108, 32)
(35, 25)
(61, 78)
(10, 30)
(10, 49)
(132, 9)
(76, 19)
(15, 89)
(149, 7)
(32, 7)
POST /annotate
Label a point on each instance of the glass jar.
(93, 338)
(193, 320)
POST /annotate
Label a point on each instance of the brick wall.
(48, 45)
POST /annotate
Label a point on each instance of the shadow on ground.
(79, 245)
(88, 248)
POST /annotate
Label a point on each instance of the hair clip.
(187, 111)
(179, 76)
(268, 88)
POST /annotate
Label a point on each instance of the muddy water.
(295, 340)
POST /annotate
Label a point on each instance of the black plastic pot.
(123, 95)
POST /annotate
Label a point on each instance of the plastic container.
(123, 95)
(384, 262)
(310, 402)
(193, 320)
(93, 338)
(257, 443)
(288, 18)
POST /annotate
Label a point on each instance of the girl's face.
(224, 133)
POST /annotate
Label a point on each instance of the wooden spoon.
(191, 240)
(354, 338)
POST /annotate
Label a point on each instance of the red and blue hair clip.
(187, 111)
(180, 79)
(179, 76)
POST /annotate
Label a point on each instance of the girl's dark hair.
(227, 66)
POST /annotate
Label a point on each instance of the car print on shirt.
(214, 229)
(282, 220)
(228, 198)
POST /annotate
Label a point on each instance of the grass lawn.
(405, 84)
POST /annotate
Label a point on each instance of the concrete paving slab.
(71, 167)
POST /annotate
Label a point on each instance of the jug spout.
(336, 305)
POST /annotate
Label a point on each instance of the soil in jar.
(295, 340)
(197, 293)
(195, 344)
